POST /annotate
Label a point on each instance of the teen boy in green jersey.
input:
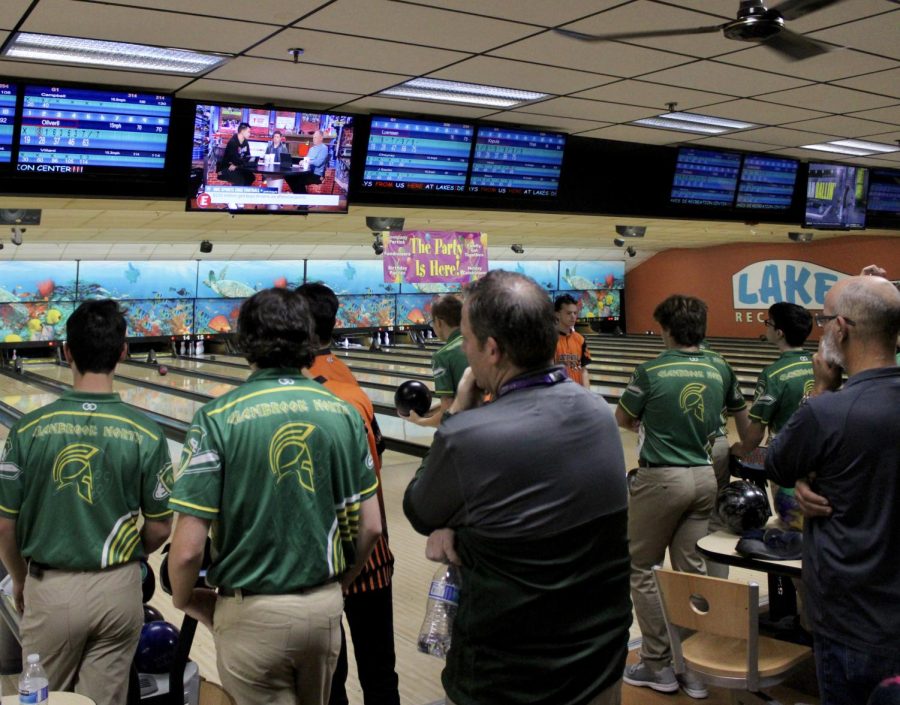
(678, 398)
(449, 362)
(74, 479)
(282, 466)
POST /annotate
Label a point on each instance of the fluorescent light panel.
(709, 120)
(458, 92)
(837, 149)
(877, 147)
(95, 52)
(694, 122)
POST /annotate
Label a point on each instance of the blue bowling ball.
(156, 647)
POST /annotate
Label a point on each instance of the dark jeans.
(238, 177)
(299, 182)
(847, 676)
(371, 619)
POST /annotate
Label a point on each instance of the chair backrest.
(705, 604)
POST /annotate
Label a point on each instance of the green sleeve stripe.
(189, 505)
(8, 510)
(626, 409)
(166, 513)
(372, 488)
(793, 364)
(277, 390)
(681, 363)
(114, 417)
(762, 420)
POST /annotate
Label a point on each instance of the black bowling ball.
(151, 614)
(148, 582)
(743, 506)
(412, 395)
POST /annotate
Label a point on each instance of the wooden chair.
(725, 648)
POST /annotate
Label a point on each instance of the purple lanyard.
(544, 380)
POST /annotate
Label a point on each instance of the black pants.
(237, 177)
(371, 619)
(299, 182)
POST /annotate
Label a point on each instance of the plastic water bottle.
(33, 684)
(443, 601)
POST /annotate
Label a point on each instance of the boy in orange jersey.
(571, 349)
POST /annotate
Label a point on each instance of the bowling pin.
(200, 347)
(14, 356)
(181, 351)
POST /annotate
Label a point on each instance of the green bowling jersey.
(280, 465)
(76, 474)
(780, 388)
(723, 417)
(448, 364)
(679, 397)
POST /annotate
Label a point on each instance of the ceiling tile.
(884, 82)
(329, 49)
(534, 11)
(374, 104)
(890, 114)
(237, 92)
(783, 136)
(126, 79)
(842, 126)
(416, 24)
(286, 73)
(587, 110)
(514, 74)
(553, 123)
(633, 133)
(837, 64)
(610, 58)
(877, 34)
(759, 112)
(645, 15)
(12, 12)
(831, 99)
(654, 95)
(892, 136)
(126, 24)
(731, 143)
(267, 11)
(723, 78)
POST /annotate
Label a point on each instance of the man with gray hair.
(843, 446)
(540, 531)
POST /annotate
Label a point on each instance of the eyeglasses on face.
(822, 319)
(769, 322)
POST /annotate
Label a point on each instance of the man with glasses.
(843, 445)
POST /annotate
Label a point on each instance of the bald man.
(843, 446)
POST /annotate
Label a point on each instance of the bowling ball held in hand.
(412, 395)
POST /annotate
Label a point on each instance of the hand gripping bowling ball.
(151, 614)
(742, 506)
(148, 582)
(156, 648)
(412, 395)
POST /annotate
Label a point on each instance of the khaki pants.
(279, 649)
(669, 507)
(610, 696)
(721, 457)
(85, 626)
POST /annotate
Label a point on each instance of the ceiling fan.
(755, 23)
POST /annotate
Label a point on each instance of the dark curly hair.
(275, 329)
(684, 317)
(95, 335)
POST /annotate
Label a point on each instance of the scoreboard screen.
(417, 155)
(72, 130)
(516, 162)
(705, 177)
(766, 182)
(7, 113)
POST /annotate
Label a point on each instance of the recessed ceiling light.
(94, 52)
(877, 147)
(838, 149)
(694, 122)
(458, 92)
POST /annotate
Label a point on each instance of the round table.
(56, 698)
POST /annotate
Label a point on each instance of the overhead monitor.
(516, 162)
(836, 197)
(766, 182)
(417, 155)
(88, 130)
(8, 92)
(264, 161)
(884, 192)
(705, 177)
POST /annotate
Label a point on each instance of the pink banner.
(418, 257)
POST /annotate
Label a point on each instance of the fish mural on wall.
(586, 275)
(216, 316)
(149, 280)
(34, 321)
(151, 318)
(364, 311)
(415, 309)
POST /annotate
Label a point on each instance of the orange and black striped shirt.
(572, 352)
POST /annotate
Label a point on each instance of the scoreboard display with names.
(766, 182)
(417, 155)
(75, 129)
(7, 113)
(705, 177)
(516, 162)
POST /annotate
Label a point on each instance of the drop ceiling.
(354, 48)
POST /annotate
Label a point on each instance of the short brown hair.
(684, 317)
(448, 309)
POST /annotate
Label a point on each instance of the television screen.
(7, 113)
(85, 130)
(417, 155)
(884, 192)
(836, 196)
(516, 162)
(766, 182)
(705, 177)
(261, 160)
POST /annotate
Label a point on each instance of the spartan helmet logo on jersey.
(73, 467)
(164, 481)
(808, 387)
(289, 454)
(691, 399)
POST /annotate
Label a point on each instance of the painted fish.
(45, 288)
(219, 324)
(578, 282)
(53, 316)
(280, 283)
(228, 288)
(349, 271)
(416, 316)
(181, 292)
(132, 273)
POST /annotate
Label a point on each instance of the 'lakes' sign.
(761, 284)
